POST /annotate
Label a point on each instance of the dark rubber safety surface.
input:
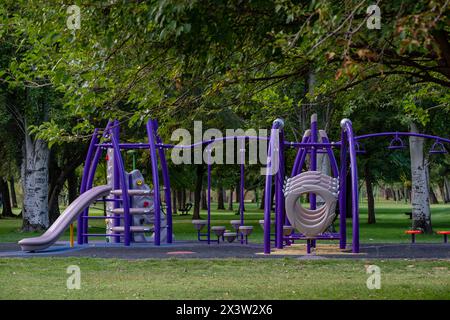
(190, 249)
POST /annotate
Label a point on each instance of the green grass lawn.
(42, 278)
(45, 278)
(390, 226)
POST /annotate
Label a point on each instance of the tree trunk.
(230, 200)
(442, 192)
(4, 190)
(55, 187)
(348, 213)
(263, 196)
(35, 184)
(204, 200)
(433, 198)
(72, 184)
(220, 200)
(447, 189)
(12, 188)
(420, 201)
(370, 198)
(174, 202)
(198, 190)
(58, 177)
(386, 193)
(183, 198)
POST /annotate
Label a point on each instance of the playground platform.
(191, 249)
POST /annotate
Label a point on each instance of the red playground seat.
(413, 234)
(445, 234)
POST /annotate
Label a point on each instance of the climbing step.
(132, 192)
(132, 229)
(132, 211)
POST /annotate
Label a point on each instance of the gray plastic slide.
(64, 220)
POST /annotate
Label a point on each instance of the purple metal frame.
(87, 166)
(309, 145)
(278, 124)
(342, 193)
(346, 125)
(166, 182)
(279, 197)
(123, 185)
(154, 163)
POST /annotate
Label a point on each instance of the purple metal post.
(84, 177)
(313, 163)
(166, 181)
(90, 182)
(279, 180)
(155, 177)
(313, 157)
(268, 186)
(115, 130)
(302, 160)
(343, 193)
(124, 186)
(301, 151)
(241, 183)
(347, 125)
(333, 162)
(209, 197)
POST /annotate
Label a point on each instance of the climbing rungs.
(132, 211)
(132, 229)
(132, 192)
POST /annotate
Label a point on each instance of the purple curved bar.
(155, 177)
(166, 182)
(90, 181)
(343, 193)
(333, 162)
(347, 126)
(408, 134)
(124, 186)
(268, 188)
(87, 166)
(298, 163)
(279, 182)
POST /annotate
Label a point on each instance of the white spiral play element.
(311, 222)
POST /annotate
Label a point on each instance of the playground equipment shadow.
(195, 250)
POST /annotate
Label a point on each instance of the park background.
(229, 64)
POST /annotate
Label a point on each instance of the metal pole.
(347, 124)
(343, 193)
(90, 182)
(313, 157)
(268, 186)
(123, 184)
(209, 196)
(84, 177)
(242, 185)
(300, 155)
(279, 180)
(155, 177)
(313, 164)
(166, 181)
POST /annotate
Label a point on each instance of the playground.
(224, 150)
(251, 238)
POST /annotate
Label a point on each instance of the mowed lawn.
(45, 278)
(390, 226)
